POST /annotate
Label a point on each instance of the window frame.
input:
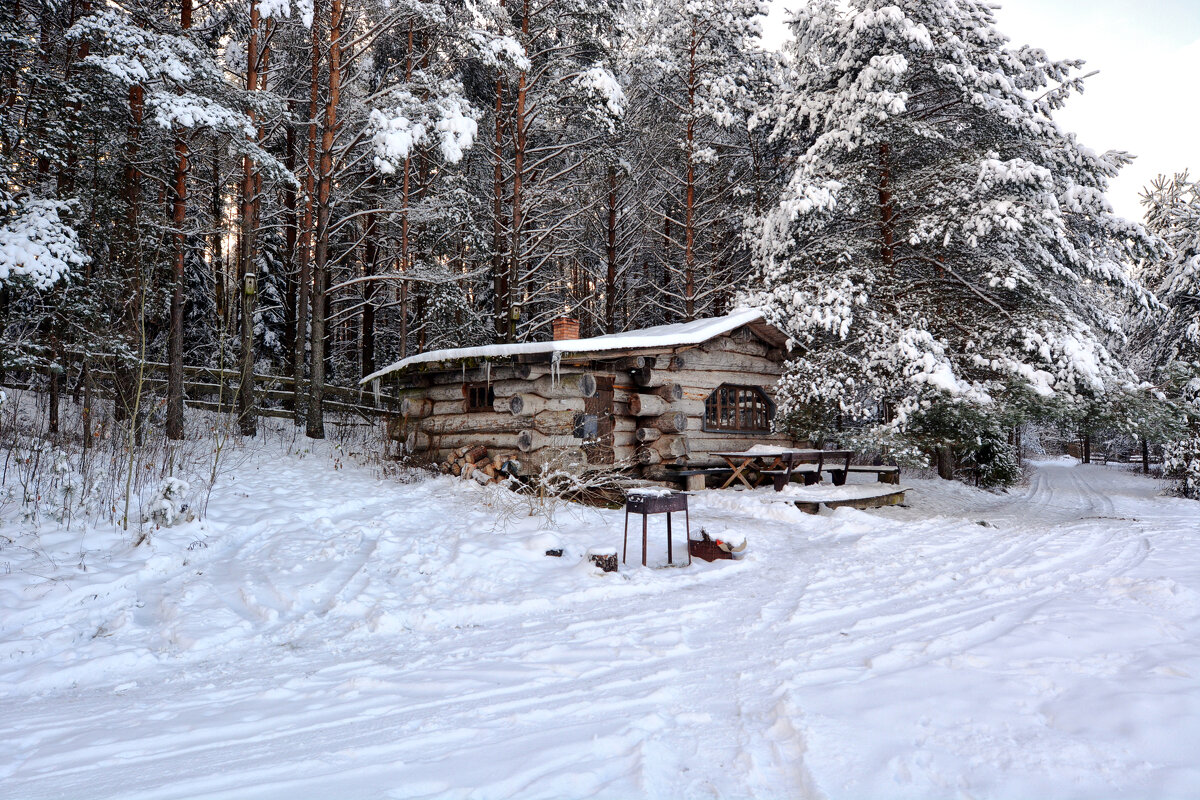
(490, 396)
(714, 427)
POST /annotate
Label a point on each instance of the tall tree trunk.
(519, 143)
(945, 462)
(887, 214)
(370, 259)
(86, 415)
(1145, 456)
(500, 300)
(316, 422)
(303, 294)
(178, 220)
(689, 214)
(290, 223)
(10, 100)
(247, 414)
(217, 265)
(66, 188)
(610, 277)
(124, 379)
(55, 382)
(405, 194)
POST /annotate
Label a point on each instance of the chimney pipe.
(565, 329)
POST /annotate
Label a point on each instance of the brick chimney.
(566, 328)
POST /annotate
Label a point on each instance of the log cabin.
(653, 401)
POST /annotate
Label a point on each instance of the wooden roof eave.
(766, 332)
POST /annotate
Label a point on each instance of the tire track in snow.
(929, 607)
(671, 688)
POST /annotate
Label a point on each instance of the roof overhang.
(660, 337)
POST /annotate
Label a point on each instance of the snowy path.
(344, 637)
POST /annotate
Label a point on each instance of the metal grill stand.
(656, 503)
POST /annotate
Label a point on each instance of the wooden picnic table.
(780, 463)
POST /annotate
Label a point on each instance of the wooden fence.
(216, 389)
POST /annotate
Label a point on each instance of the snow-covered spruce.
(36, 244)
(1169, 342)
(941, 239)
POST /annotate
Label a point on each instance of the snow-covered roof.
(660, 336)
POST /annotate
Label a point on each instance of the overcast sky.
(1146, 99)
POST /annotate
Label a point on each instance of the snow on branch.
(36, 245)
(409, 122)
(602, 85)
(281, 9)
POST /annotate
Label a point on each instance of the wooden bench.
(694, 479)
(883, 473)
(809, 465)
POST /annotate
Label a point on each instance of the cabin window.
(738, 409)
(480, 396)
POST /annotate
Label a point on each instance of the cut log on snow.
(526, 405)
(416, 407)
(648, 405)
(528, 441)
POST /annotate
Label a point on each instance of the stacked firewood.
(476, 464)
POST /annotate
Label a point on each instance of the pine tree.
(694, 91)
(935, 250)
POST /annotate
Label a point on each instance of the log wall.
(658, 405)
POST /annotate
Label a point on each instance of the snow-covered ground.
(328, 634)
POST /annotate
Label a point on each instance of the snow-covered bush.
(167, 508)
(995, 462)
(1181, 460)
(564, 481)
